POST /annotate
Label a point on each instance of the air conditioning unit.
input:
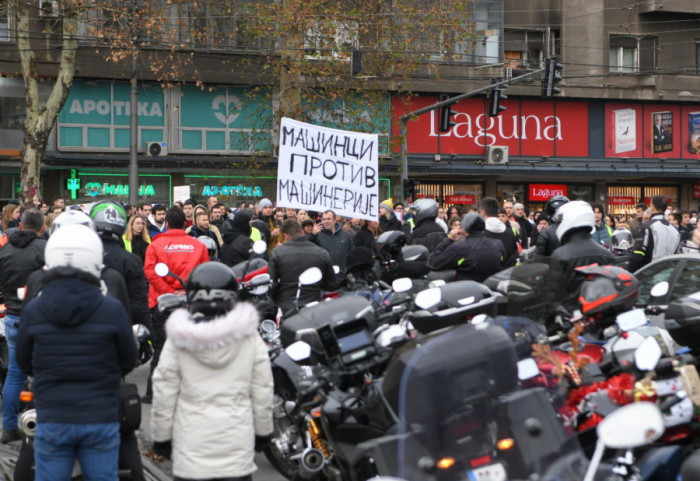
(49, 9)
(156, 149)
(496, 155)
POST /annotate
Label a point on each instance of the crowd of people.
(72, 258)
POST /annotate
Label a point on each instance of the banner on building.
(321, 168)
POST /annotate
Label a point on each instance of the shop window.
(630, 54)
(5, 23)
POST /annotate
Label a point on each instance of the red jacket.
(181, 253)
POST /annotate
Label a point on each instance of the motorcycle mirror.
(402, 284)
(162, 269)
(259, 247)
(630, 320)
(310, 276)
(627, 427)
(527, 369)
(437, 283)
(260, 283)
(647, 355)
(428, 298)
(660, 289)
(298, 351)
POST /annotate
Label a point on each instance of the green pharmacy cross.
(73, 184)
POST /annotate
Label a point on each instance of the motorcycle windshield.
(533, 290)
(461, 415)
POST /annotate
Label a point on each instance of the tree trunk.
(40, 119)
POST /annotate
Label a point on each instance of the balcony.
(670, 6)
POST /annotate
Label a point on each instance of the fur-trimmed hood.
(213, 342)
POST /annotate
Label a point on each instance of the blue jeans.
(15, 378)
(57, 445)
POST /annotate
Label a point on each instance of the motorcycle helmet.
(71, 217)
(425, 209)
(391, 243)
(77, 246)
(575, 215)
(473, 222)
(109, 218)
(210, 244)
(607, 290)
(553, 204)
(211, 290)
(622, 239)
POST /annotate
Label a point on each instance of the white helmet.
(574, 215)
(71, 217)
(75, 246)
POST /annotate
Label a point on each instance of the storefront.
(88, 187)
(622, 200)
(450, 194)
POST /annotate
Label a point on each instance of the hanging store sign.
(543, 192)
(621, 200)
(696, 190)
(97, 189)
(460, 199)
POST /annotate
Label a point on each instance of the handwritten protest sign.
(321, 168)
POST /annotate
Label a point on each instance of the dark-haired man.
(292, 258)
(22, 255)
(156, 221)
(655, 238)
(181, 253)
(496, 229)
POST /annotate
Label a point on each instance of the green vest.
(127, 243)
(255, 234)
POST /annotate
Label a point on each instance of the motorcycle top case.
(463, 299)
(334, 312)
(443, 371)
(682, 321)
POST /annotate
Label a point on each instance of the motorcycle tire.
(282, 423)
(25, 463)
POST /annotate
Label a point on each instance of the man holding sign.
(330, 235)
(322, 169)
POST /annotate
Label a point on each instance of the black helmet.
(391, 243)
(109, 218)
(473, 222)
(211, 290)
(607, 290)
(553, 204)
(425, 209)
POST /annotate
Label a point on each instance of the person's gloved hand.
(261, 442)
(145, 351)
(163, 448)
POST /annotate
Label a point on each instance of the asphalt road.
(139, 376)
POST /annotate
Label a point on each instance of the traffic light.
(552, 76)
(495, 106)
(409, 189)
(446, 114)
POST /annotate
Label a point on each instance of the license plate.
(492, 472)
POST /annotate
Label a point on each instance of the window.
(629, 54)
(688, 281)
(331, 40)
(12, 113)
(5, 23)
(650, 276)
(525, 49)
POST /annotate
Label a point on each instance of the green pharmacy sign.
(95, 189)
(231, 190)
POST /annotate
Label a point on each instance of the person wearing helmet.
(213, 390)
(547, 241)
(77, 344)
(656, 237)
(110, 223)
(427, 232)
(577, 248)
(473, 255)
(22, 255)
(607, 291)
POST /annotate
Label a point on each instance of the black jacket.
(362, 237)
(288, 261)
(131, 268)
(547, 241)
(526, 229)
(236, 247)
(385, 225)
(507, 238)
(337, 243)
(579, 250)
(428, 233)
(475, 258)
(77, 343)
(22, 255)
(138, 247)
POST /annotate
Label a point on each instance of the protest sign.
(321, 168)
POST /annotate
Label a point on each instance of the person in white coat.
(213, 389)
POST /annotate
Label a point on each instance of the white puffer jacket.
(212, 393)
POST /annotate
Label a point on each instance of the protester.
(496, 229)
(329, 235)
(387, 217)
(655, 238)
(237, 241)
(136, 238)
(10, 216)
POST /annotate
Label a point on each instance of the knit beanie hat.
(265, 202)
(388, 204)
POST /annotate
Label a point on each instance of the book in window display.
(694, 132)
(662, 132)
